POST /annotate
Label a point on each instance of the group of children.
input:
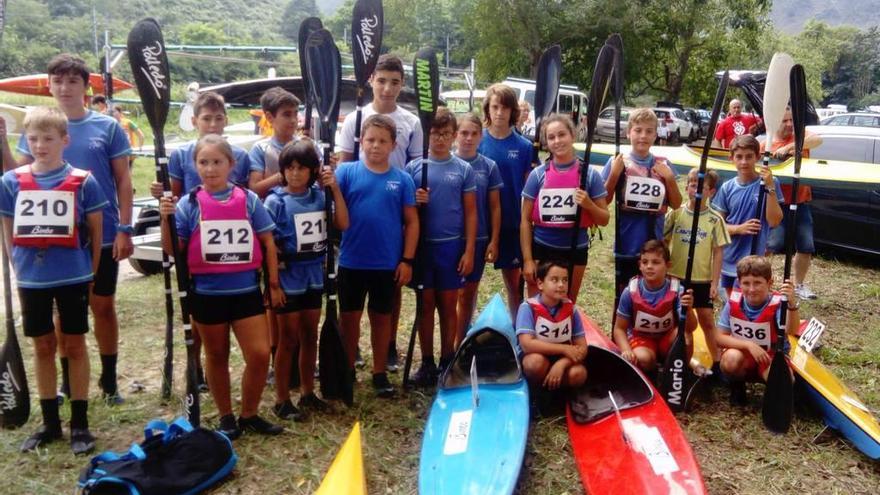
(240, 215)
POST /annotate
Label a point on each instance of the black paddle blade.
(547, 84)
(324, 69)
(713, 120)
(599, 89)
(149, 65)
(426, 82)
(367, 23)
(308, 26)
(336, 376)
(778, 405)
(674, 374)
(15, 403)
(797, 80)
(616, 42)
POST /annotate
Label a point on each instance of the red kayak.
(631, 444)
(38, 84)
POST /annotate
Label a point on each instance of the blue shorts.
(729, 281)
(300, 277)
(479, 261)
(509, 251)
(438, 266)
(803, 239)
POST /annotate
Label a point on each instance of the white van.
(570, 101)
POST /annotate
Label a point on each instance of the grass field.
(736, 454)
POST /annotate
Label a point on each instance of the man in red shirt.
(735, 124)
(782, 148)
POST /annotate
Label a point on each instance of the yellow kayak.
(346, 473)
(701, 356)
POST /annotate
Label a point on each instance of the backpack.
(172, 459)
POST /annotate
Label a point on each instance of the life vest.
(224, 241)
(643, 190)
(657, 318)
(762, 330)
(555, 205)
(555, 329)
(46, 217)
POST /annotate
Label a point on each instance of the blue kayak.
(475, 438)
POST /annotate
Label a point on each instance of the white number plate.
(458, 433)
(227, 241)
(44, 214)
(811, 335)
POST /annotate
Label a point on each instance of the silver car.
(680, 129)
(605, 126)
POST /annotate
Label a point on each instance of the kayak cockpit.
(608, 372)
(494, 356)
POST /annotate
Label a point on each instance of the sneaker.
(358, 359)
(42, 436)
(113, 399)
(287, 411)
(738, 396)
(393, 363)
(425, 376)
(229, 427)
(382, 386)
(202, 383)
(81, 441)
(259, 425)
(804, 292)
(311, 402)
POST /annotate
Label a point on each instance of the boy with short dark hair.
(54, 252)
(281, 109)
(748, 324)
(99, 145)
(737, 202)
(379, 246)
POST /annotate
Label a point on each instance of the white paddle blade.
(776, 92)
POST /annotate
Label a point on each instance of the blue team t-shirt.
(448, 181)
(513, 155)
(222, 284)
(54, 266)
(181, 166)
(635, 228)
(375, 201)
(552, 236)
(738, 203)
(525, 319)
(487, 178)
(298, 276)
(95, 140)
(652, 297)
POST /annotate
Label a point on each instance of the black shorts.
(701, 295)
(541, 252)
(213, 310)
(310, 299)
(354, 285)
(73, 309)
(108, 272)
(627, 269)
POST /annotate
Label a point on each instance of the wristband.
(794, 308)
(408, 261)
(124, 228)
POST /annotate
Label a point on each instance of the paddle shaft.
(410, 349)
(618, 102)
(168, 362)
(357, 123)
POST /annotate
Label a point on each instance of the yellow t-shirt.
(677, 233)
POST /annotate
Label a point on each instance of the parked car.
(570, 101)
(847, 218)
(698, 129)
(677, 124)
(858, 119)
(605, 124)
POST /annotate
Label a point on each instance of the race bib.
(557, 205)
(227, 241)
(644, 194)
(758, 333)
(44, 214)
(649, 323)
(311, 231)
(555, 332)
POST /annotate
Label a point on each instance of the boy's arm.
(615, 169)
(470, 222)
(673, 194)
(261, 185)
(340, 215)
(95, 220)
(7, 235)
(495, 223)
(403, 274)
(531, 345)
(773, 211)
(277, 297)
(619, 334)
(717, 261)
(122, 245)
(525, 239)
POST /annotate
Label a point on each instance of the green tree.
(296, 11)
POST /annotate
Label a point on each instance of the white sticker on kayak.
(649, 441)
(854, 402)
(458, 432)
(811, 334)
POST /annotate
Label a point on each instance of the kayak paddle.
(367, 23)
(776, 96)
(324, 69)
(149, 66)
(675, 369)
(616, 42)
(778, 404)
(595, 101)
(426, 82)
(308, 26)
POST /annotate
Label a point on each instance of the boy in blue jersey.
(447, 253)
(737, 202)
(281, 108)
(55, 250)
(513, 154)
(647, 189)
(97, 144)
(378, 248)
(488, 199)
